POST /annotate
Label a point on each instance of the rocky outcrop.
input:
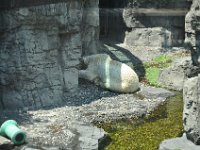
(90, 27)
(191, 112)
(191, 94)
(149, 37)
(74, 135)
(155, 23)
(174, 76)
(180, 143)
(40, 48)
(192, 31)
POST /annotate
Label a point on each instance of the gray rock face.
(40, 48)
(152, 92)
(192, 31)
(155, 23)
(89, 135)
(191, 113)
(178, 144)
(153, 37)
(174, 76)
(70, 135)
(90, 27)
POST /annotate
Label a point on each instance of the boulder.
(152, 92)
(180, 143)
(153, 37)
(191, 112)
(192, 31)
(174, 76)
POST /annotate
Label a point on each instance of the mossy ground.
(147, 133)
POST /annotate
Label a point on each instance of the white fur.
(110, 74)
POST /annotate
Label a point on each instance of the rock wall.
(192, 31)
(40, 48)
(191, 112)
(144, 22)
(90, 27)
(191, 89)
(152, 37)
(155, 23)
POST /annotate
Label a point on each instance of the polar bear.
(110, 74)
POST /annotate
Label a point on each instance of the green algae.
(147, 133)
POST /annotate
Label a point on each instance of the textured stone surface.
(192, 31)
(153, 37)
(90, 27)
(144, 17)
(178, 144)
(152, 92)
(40, 48)
(120, 16)
(71, 128)
(66, 134)
(119, 106)
(191, 112)
(174, 76)
(89, 135)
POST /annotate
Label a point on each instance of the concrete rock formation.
(90, 27)
(155, 23)
(173, 77)
(40, 48)
(180, 143)
(192, 31)
(149, 37)
(191, 112)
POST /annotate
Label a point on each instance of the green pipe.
(10, 129)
